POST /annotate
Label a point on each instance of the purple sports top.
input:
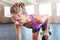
(37, 26)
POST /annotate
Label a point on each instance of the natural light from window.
(58, 9)
(45, 9)
(30, 9)
(7, 11)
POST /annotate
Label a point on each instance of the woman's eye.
(22, 13)
(17, 20)
(18, 15)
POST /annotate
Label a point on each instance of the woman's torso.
(37, 18)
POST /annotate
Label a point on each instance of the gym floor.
(7, 32)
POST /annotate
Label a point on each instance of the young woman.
(19, 17)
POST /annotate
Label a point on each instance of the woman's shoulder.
(38, 15)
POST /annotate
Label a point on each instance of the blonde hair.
(16, 8)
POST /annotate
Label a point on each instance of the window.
(45, 9)
(7, 11)
(58, 9)
(30, 9)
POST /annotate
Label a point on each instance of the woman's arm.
(47, 27)
(45, 30)
(18, 32)
(18, 28)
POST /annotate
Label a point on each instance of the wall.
(53, 19)
(1, 10)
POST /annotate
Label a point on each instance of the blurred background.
(41, 7)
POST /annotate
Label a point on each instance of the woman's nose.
(19, 19)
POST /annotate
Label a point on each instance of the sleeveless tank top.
(36, 26)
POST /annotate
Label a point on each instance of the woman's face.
(19, 17)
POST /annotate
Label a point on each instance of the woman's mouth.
(21, 23)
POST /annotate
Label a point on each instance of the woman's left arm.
(47, 27)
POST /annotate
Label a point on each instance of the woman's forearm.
(47, 25)
(18, 32)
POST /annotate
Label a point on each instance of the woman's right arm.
(18, 28)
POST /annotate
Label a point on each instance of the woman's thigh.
(35, 34)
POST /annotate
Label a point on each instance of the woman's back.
(37, 18)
